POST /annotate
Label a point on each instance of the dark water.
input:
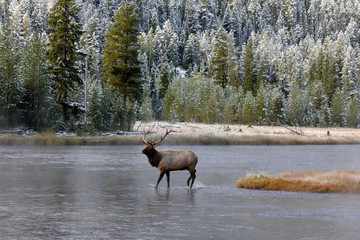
(107, 192)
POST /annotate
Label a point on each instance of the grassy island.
(341, 181)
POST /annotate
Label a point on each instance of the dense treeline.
(238, 61)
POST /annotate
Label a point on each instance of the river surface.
(107, 192)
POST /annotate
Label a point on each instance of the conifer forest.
(100, 65)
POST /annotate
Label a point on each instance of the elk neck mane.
(154, 157)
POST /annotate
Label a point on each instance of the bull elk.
(170, 160)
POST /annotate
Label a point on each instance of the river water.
(107, 192)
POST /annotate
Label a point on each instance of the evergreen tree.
(250, 81)
(314, 45)
(296, 105)
(353, 113)
(37, 101)
(337, 109)
(208, 101)
(146, 42)
(191, 17)
(318, 106)
(146, 113)
(260, 111)
(240, 105)
(165, 77)
(167, 55)
(167, 104)
(94, 113)
(90, 48)
(10, 90)
(120, 64)
(207, 15)
(229, 113)
(191, 52)
(348, 73)
(232, 59)
(176, 110)
(118, 113)
(328, 74)
(248, 115)
(222, 60)
(100, 109)
(63, 54)
(275, 107)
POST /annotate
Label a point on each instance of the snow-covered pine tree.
(353, 113)
(63, 54)
(191, 17)
(260, 105)
(337, 109)
(90, 61)
(37, 102)
(191, 52)
(120, 61)
(10, 90)
(120, 64)
(307, 42)
(222, 59)
(250, 81)
(248, 114)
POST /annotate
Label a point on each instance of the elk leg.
(188, 181)
(160, 177)
(168, 178)
(193, 176)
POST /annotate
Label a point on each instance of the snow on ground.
(239, 130)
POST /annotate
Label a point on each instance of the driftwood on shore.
(298, 132)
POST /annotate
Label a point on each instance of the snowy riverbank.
(194, 129)
(198, 134)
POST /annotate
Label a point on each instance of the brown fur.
(170, 160)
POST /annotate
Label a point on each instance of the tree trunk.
(65, 113)
(124, 101)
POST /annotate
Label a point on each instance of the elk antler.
(143, 139)
(163, 137)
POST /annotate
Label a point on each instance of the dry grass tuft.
(47, 140)
(345, 181)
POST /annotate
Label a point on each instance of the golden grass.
(176, 139)
(51, 140)
(342, 181)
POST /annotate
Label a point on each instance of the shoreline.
(199, 134)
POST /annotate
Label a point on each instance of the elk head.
(149, 149)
